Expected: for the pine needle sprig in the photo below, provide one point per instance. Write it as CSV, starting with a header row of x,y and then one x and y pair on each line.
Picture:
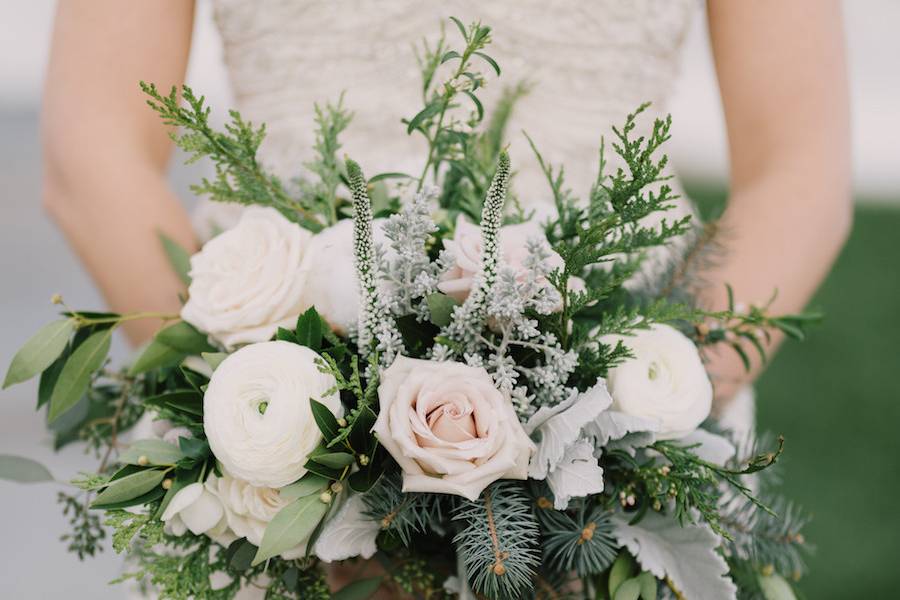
x,y
498,541
580,539
404,515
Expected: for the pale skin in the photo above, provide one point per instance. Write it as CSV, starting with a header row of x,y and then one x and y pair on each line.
x,y
782,80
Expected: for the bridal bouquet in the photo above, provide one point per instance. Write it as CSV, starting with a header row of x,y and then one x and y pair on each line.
x,y
421,372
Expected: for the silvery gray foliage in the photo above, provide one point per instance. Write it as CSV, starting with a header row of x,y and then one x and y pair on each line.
x,y
411,273
514,296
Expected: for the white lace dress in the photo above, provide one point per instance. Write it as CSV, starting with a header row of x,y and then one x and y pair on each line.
x,y
589,65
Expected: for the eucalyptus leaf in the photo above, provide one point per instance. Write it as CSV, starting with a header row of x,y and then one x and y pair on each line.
x,y
23,470
155,356
630,589
441,306
291,527
178,257
335,460
40,351
129,487
648,586
308,484
621,571
155,452
48,379
75,376
358,590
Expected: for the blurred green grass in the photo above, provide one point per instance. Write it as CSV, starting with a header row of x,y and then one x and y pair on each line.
x,y
835,399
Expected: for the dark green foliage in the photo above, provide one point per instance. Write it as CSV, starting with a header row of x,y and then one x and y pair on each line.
x,y
87,533
239,176
497,541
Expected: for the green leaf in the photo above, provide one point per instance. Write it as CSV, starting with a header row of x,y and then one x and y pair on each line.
x,y
391,175
156,452
23,470
188,401
308,484
75,376
325,419
129,487
185,338
335,460
620,571
290,527
461,27
358,590
364,479
478,105
322,471
441,308
214,359
156,355
648,586
489,60
450,56
239,554
309,329
775,587
629,589
193,447
48,379
178,257
427,112
40,351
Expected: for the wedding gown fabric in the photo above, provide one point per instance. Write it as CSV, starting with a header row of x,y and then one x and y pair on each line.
x,y
588,64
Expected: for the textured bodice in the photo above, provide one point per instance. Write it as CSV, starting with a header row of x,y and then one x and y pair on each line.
x,y
589,63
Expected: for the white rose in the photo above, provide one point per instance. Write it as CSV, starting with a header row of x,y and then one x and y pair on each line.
x,y
248,509
196,509
348,533
257,415
466,249
665,381
450,430
331,283
248,281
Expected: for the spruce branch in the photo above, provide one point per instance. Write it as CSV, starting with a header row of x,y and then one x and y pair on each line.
x,y
498,540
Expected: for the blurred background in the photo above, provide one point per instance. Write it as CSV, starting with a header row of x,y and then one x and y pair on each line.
x,y
833,397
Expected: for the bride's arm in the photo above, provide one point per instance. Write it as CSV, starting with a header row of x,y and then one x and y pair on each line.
x,y
105,151
783,82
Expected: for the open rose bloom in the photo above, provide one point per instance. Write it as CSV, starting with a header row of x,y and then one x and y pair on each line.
x,y
449,428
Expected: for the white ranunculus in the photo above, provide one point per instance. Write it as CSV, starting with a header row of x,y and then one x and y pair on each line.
x,y
466,249
449,428
349,533
249,280
257,415
196,509
248,509
665,381
331,283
